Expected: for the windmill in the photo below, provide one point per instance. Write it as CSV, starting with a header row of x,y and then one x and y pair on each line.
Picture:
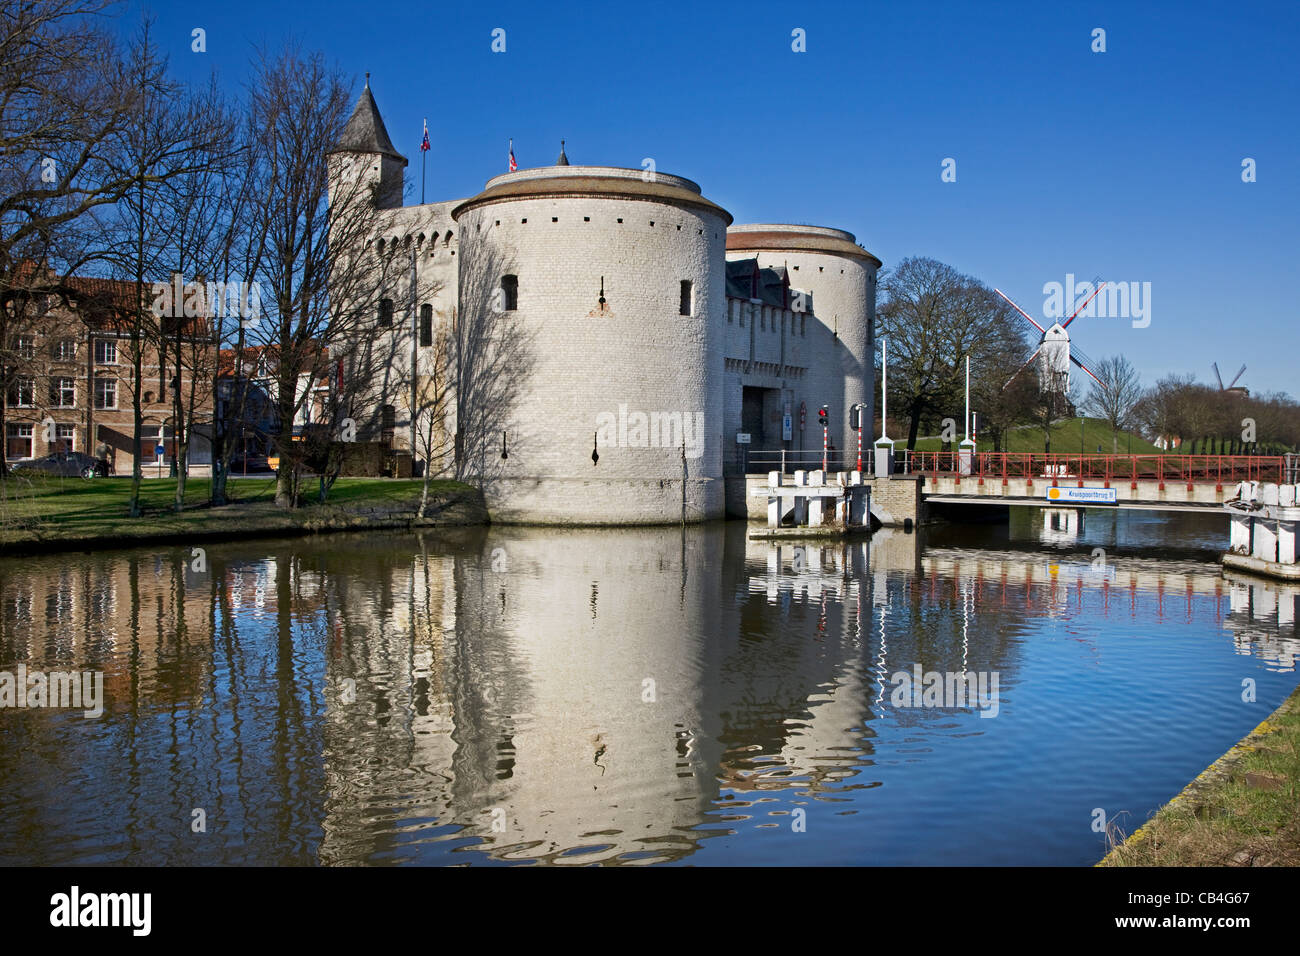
x,y
1054,352
1231,386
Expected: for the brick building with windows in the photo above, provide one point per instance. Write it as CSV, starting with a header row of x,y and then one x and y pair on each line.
x,y
69,378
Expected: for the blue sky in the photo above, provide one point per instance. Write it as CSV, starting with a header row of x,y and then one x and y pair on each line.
x,y
1124,164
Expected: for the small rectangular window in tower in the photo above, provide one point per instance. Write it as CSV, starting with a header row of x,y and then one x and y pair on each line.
x,y
387,422
510,292
685,307
385,313
426,325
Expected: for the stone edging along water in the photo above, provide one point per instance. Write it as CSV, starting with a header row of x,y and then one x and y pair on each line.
x,y
1202,789
264,520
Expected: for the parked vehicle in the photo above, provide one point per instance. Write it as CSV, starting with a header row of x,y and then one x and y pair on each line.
x,y
250,464
66,463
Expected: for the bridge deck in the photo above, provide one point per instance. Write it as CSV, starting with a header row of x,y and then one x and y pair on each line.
x,y
1212,469
1193,483
1042,502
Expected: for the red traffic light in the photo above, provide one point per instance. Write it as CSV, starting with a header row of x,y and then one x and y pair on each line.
x,y
822,415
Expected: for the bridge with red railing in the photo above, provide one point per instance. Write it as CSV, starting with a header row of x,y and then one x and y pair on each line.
x,y
1153,482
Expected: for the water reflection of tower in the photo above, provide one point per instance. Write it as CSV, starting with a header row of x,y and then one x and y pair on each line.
x,y
387,618
576,698
798,696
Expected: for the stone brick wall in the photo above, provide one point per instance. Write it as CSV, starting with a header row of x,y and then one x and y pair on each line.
x,y
596,369
835,355
592,367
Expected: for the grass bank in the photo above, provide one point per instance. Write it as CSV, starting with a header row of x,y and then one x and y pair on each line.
x,y
50,513
1244,810
1065,440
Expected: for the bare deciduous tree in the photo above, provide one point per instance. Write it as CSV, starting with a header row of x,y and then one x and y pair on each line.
x,y
1112,398
65,104
934,317
315,258
169,140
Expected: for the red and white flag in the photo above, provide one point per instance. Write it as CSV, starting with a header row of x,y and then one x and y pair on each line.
x,y
424,146
513,165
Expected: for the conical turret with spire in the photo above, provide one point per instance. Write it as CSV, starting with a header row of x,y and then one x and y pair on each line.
x,y
563,160
365,150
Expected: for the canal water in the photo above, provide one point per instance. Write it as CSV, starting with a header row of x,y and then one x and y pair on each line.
x,y
635,697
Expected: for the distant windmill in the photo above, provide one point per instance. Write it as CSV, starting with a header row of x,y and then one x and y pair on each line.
x,y
1054,350
1231,386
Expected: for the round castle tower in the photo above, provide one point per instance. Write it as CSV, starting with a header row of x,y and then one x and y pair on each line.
x,y
608,283
841,276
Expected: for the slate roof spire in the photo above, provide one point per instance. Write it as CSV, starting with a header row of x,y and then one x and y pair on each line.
x,y
365,131
563,160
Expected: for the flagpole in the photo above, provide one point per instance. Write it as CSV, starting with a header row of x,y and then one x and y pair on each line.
x,y
422,152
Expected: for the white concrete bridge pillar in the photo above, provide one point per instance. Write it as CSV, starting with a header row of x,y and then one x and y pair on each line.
x,y
1265,543
1286,542
817,505
1240,540
774,501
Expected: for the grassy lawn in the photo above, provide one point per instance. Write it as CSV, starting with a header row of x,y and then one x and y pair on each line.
x,y
1065,440
52,509
1242,811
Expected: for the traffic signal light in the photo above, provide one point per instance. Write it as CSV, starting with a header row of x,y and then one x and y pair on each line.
x,y
822,415
855,417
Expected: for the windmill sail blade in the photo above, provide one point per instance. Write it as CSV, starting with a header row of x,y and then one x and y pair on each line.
x,y
1239,374
1021,311
1215,366
1025,366
1066,323
1086,369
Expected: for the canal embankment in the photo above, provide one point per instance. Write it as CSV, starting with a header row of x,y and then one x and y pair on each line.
x,y
1242,810
68,514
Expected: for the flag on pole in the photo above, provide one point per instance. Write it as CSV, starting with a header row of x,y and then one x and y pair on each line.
x,y
424,146
513,165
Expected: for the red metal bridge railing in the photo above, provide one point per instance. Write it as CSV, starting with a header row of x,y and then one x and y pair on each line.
x,y
1219,469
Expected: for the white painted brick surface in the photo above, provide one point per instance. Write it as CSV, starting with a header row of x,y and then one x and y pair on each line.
x,y
643,355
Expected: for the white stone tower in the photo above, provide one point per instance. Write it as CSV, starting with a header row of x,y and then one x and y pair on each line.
x,y
365,154
841,275
618,280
